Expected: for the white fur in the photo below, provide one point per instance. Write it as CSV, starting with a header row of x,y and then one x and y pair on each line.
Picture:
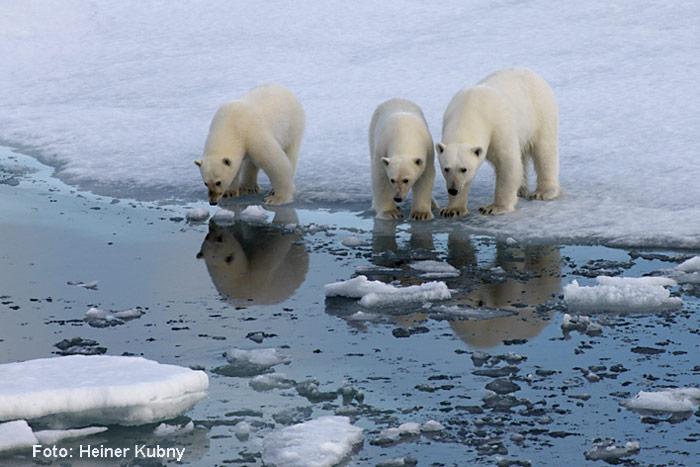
x,y
401,149
507,118
262,130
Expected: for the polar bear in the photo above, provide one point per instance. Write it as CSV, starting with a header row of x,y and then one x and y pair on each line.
x,y
402,158
508,118
262,130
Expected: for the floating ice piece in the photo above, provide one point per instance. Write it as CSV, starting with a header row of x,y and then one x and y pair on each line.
x,y
166,429
690,265
352,241
242,430
16,435
376,293
254,214
431,426
621,294
99,318
197,215
322,442
435,269
271,381
260,357
669,400
79,390
363,316
224,217
92,285
607,450
581,324
510,241
454,312
54,436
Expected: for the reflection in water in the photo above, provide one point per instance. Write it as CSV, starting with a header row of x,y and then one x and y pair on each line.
x,y
528,276
256,263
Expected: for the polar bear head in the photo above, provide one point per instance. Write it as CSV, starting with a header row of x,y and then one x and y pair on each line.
x,y
218,173
459,163
402,172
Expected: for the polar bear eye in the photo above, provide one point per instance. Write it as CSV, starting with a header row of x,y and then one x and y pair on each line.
x,y
392,180
463,170
447,169
405,180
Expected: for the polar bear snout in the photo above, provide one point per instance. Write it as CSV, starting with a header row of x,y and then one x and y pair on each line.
x,y
453,191
398,199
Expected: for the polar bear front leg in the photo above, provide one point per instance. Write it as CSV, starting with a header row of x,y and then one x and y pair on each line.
x,y
249,177
269,156
421,207
233,190
457,205
509,177
383,198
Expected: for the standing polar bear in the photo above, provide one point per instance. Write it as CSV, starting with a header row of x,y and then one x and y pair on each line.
x,y
401,150
262,130
507,118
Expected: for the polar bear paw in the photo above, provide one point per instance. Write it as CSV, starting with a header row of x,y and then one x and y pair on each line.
x,y
523,192
276,200
250,190
545,194
454,212
394,213
232,193
494,209
421,215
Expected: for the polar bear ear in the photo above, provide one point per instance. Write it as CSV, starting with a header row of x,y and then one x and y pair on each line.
x,y
440,147
198,163
477,151
227,161
386,160
419,162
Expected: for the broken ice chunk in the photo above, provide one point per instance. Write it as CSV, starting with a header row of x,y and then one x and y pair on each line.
x,y
622,294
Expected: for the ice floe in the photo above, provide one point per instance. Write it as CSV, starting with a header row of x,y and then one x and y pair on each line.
x,y
267,382
78,390
376,293
167,429
17,435
54,436
668,400
688,272
322,442
607,450
435,269
100,318
254,214
352,241
197,215
245,363
92,285
224,217
622,294
582,324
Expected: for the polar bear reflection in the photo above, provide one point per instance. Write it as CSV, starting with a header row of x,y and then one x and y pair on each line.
x,y
532,277
256,263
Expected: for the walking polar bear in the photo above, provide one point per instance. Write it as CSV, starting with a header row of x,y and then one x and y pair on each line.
x,y
262,130
508,118
402,154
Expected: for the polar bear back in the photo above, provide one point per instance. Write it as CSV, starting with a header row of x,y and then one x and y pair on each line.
x,y
508,100
269,109
401,122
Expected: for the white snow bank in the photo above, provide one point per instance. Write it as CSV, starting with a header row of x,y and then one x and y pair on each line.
x,y
16,435
54,436
669,400
254,214
377,293
322,442
81,389
267,358
617,294
431,268
197,214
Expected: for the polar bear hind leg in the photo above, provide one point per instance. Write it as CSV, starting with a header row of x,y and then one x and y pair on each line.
x,y
546,159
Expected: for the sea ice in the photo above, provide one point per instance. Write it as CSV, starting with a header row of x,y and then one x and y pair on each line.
x,y
352,241
622,294
322,442
16,435
167,429
668,400
223,217
54,436
688,272
376,293
78,390
259,357
271,381
197,215
99,318
690,265
92,285
607,450
435,269
254,214
431,426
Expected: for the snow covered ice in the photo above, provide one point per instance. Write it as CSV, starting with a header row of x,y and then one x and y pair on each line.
x,y
254,214
82,389
261,357
607,450
197,214
17,435
126,112
622,294
435,269
668,400
377,293
322,442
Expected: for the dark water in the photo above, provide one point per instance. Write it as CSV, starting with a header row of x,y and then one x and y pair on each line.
x,y
207,288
